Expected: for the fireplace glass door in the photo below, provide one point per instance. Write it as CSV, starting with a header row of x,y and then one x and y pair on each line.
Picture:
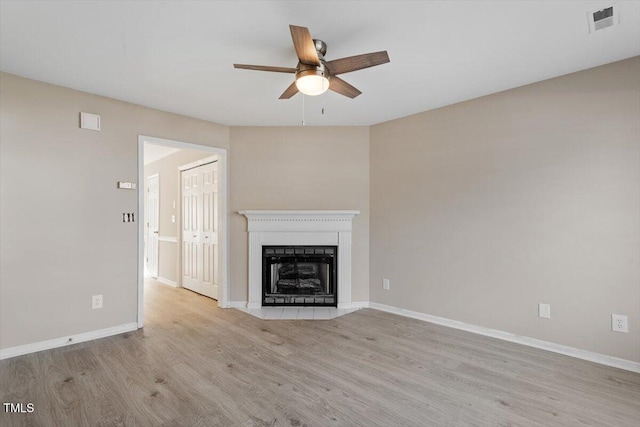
x,y
299,276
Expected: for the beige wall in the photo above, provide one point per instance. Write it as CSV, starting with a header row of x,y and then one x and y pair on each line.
x,y
483,209
478,211
169,194
299,168
63,239
62,235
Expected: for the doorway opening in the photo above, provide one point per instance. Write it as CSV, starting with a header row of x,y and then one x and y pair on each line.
x,y
182,235
152,225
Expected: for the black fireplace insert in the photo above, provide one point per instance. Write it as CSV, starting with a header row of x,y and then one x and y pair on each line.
x,y
299,276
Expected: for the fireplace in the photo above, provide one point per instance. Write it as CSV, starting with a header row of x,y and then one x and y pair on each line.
x,y
299,276
324,230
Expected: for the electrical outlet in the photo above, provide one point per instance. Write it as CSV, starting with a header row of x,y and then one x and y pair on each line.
x,y
96,301
619,323
385,284
544,310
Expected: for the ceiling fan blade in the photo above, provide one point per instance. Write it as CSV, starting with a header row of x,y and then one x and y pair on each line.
x,y
336,84
358,62
291,90
304,45
265,68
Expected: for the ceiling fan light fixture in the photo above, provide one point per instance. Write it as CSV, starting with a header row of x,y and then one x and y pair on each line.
x,y
314,75
312,82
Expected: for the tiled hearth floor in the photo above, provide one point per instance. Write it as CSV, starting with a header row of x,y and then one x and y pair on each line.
x,y
295,313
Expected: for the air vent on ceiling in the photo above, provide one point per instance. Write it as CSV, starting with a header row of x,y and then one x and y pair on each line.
x,y
603,18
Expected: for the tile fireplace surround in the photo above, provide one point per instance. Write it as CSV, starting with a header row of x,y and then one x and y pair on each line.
x,y
289,227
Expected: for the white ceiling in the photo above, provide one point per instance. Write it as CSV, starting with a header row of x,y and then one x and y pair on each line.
x,y
177,56
153,152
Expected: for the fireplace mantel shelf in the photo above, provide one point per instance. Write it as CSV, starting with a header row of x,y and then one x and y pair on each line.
x,y
300,216
299,221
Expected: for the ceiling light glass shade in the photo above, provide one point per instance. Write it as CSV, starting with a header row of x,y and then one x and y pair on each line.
x,y
312,84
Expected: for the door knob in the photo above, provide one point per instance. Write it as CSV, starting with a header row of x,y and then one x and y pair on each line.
x,y
155,232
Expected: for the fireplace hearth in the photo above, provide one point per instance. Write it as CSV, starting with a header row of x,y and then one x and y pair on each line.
x,y
299,276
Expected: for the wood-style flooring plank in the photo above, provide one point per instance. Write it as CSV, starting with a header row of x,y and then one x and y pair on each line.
x,y
196,365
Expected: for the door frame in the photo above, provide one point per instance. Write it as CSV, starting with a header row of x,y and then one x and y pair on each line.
x,y
223,191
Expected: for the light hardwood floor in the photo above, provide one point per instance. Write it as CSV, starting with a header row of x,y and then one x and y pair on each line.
x,y
197,365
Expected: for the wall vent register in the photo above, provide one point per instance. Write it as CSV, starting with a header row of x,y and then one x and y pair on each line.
x,y
602,18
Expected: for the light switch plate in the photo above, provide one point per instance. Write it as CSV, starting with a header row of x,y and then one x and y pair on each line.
x,y
125,185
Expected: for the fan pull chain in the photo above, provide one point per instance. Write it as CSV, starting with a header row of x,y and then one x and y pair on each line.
x,y
303,109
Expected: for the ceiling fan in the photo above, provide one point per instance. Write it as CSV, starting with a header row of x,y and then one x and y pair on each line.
x,y
314,75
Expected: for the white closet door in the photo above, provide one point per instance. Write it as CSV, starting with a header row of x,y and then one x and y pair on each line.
x,y
200,230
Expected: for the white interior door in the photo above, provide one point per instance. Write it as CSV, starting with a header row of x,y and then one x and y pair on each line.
x,y
153,217
200,271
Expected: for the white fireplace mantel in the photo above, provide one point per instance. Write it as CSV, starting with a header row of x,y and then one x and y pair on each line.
x,y
289,227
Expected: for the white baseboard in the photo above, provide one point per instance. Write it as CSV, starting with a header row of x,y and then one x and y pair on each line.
x,y
66,340
602,359
354,304
167,281
236,304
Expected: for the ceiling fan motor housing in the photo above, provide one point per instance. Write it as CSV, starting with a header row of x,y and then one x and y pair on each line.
x,y
313,70
321,48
